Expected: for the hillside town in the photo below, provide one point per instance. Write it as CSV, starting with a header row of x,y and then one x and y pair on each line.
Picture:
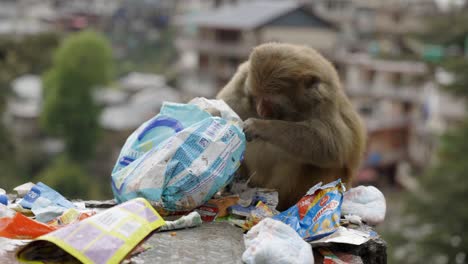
x,y
176,50
396,92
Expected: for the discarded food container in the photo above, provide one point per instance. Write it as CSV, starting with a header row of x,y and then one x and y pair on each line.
x,y
181,157
106,237
318,213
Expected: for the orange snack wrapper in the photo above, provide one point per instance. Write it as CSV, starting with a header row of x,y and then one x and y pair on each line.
x,y
22,227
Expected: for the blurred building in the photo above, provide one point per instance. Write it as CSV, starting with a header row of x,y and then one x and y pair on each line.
x,y
404,110
225,36
24,17
401,103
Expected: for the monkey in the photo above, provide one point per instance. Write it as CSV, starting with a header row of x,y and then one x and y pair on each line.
x,y
301,128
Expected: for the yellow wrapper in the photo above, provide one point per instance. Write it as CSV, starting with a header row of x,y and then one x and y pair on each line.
x,y
107,237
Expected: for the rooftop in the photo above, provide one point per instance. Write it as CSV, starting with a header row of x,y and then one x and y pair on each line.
x,y
245,15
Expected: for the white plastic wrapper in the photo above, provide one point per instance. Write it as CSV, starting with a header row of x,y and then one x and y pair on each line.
x,y
366,202
274,242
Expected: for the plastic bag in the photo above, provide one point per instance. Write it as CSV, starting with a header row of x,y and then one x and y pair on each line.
x,y
272,241
318,213
366,202
181,157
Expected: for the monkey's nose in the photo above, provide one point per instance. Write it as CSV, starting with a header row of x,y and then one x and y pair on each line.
x,y
264,108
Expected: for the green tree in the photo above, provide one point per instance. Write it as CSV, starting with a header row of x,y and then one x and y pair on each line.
x,y
435,230
70,179
28,54
82,63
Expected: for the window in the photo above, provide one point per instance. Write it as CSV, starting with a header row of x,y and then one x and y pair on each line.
x,y
228,36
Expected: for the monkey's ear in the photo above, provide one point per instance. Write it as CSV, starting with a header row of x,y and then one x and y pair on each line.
x,y
311,81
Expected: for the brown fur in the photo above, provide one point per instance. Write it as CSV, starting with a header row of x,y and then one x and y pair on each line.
x,y
301,126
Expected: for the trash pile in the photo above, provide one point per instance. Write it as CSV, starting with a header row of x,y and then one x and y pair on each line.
x,y
176,166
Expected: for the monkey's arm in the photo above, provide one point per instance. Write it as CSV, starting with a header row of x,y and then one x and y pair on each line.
x,y
314,142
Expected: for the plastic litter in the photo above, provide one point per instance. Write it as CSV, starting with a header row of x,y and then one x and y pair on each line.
x,y
3,197
191,220
23,189
224,203
44,191
318,213
260,212
330,257
17,226
45,210
208,212
345,236
106,237
71,216
272,241
366,202
5,211
181,157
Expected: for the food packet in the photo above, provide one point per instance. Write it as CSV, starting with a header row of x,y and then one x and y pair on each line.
x,y
224,203
318,213
17,226
260,212
107,237
40,190
70,216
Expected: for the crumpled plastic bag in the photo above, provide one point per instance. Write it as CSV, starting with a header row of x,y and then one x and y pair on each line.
x,y
366,202
181,157
274,242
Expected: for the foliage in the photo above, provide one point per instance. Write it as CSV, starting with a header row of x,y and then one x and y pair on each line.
x,y
438,212
70,179
82,63
440,216
458,67
448,29
150,55
19,55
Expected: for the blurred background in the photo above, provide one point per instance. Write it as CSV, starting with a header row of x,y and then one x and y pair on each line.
x,y
78,76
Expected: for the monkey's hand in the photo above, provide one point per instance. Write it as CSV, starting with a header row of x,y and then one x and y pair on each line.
x,y
252,129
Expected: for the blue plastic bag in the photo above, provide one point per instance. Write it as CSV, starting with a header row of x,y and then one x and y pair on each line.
x,y
181,157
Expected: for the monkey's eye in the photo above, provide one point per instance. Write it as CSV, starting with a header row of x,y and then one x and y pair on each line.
x,y
311,82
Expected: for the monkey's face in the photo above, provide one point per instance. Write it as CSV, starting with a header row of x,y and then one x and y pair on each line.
x,y
290,83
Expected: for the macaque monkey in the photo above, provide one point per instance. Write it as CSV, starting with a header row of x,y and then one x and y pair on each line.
x,y
300,126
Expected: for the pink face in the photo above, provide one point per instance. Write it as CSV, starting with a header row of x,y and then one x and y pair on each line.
x,y
279,99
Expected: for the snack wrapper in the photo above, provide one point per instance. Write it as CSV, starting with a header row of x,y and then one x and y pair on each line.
x,y
318,213
40,190
70,216
260,212
17,226
106,237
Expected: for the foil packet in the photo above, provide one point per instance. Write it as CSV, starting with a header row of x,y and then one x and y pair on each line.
x,y
318,213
